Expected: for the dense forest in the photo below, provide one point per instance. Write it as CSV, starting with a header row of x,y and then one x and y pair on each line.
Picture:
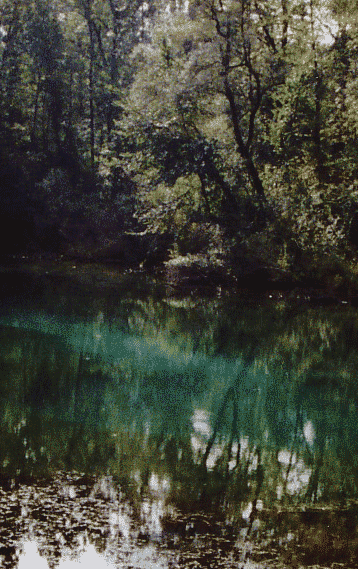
x,y
218,137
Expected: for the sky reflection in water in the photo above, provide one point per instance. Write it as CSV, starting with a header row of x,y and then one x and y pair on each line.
x,y
143,558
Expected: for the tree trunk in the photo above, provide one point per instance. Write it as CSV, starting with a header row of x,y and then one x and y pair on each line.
x,y
284,24
318,91
87,4
91,94
36,108
241,146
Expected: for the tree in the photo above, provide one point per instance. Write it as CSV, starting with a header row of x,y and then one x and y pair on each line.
x,y
208,73
44,44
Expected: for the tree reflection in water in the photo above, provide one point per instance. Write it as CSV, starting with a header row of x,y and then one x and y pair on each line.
x,y
183,433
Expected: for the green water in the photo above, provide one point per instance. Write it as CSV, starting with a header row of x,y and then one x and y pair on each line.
x,y
231,404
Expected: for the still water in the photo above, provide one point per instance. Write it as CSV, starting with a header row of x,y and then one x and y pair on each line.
x,y
141,429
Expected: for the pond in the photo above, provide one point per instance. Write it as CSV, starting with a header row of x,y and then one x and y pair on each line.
x,y
144,429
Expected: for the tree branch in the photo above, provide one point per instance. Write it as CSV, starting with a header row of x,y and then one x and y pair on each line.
x,y
218,26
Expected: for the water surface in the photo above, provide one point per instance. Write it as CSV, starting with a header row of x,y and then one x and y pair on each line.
x,y
133,422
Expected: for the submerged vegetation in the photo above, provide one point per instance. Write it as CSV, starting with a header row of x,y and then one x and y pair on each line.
x,y
216,137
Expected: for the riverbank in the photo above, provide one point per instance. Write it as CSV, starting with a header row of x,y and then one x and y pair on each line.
x,y
193,275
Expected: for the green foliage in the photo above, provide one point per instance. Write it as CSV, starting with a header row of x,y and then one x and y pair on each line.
x,y
240,116
173,207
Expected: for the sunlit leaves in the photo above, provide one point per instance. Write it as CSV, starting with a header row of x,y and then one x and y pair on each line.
x,y
172,207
